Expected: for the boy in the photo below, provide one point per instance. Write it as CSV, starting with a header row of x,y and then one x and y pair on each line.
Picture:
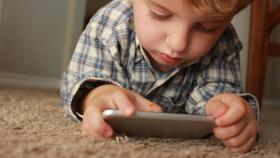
x,y
179,56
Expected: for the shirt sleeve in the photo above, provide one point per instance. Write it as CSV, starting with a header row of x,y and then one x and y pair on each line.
x,y
93,61
219,72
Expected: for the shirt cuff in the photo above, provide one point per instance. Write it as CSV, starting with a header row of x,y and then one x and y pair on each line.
x,y
79,92
82,92
253,102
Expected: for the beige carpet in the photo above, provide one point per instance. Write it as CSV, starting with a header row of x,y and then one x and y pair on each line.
x,y
34,125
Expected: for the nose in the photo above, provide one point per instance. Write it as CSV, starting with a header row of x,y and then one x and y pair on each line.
x,y
178,38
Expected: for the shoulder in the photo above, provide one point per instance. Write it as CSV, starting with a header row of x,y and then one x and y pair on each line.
x,y
227,48
115,12
228,43
111,30
229,40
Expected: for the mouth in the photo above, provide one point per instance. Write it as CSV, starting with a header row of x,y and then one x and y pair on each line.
x,y
169,59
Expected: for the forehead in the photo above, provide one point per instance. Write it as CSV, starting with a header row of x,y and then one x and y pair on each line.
x,y
171,3
182,7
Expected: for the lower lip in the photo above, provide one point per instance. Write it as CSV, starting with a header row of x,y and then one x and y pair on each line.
x,y
169,59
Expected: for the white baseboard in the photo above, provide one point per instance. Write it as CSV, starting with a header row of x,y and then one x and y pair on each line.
x,y
27,81
270,102
20,80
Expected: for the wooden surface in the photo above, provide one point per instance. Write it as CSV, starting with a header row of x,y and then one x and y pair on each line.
x,y
264,18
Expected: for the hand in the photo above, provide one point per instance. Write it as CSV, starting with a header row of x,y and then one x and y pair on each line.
x,y
110,97
236,124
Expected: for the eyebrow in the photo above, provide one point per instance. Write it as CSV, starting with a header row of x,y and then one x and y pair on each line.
x,y
160,6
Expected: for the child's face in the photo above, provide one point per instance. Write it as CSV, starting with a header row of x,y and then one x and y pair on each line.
x,y
174,32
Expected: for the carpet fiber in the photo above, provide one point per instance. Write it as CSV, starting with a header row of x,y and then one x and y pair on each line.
x,y
34,125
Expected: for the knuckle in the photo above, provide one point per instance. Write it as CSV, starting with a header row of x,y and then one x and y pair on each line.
x,y
252,130
234,130
254,126
218,134
118,94
241,107
234,142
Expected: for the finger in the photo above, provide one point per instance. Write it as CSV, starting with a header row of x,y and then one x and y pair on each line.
x,y
124,103
146,105
234,114
216,108
86,132
242,138
93,124
246,147
237,109
229,131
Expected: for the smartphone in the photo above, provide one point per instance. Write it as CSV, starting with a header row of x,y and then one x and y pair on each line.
x,y
162,125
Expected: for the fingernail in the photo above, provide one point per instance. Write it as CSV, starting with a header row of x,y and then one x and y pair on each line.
x,y
129,111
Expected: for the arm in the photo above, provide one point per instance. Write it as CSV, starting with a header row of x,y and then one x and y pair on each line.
x,y
110,97
236,124
96,61
236,113
219,84
95,80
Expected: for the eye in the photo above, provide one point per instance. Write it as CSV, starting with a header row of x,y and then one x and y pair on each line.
x,y
206,29
160,17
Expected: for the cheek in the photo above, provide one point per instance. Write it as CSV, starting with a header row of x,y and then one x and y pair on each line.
x,y
201,45
147,32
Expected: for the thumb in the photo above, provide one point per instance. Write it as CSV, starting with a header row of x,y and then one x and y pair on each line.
x,y
124,103
216,108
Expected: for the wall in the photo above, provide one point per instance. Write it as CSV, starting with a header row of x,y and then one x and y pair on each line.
x,y
1,12
93,6
36,40
272,78
241,23
33,41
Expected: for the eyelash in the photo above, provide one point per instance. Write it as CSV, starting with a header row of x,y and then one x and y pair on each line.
x,y
207,30
158,17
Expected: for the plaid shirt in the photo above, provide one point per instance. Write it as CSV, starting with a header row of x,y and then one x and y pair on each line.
x,y
108,51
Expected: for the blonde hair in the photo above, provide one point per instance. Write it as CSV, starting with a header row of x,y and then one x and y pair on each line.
x,y
220,7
